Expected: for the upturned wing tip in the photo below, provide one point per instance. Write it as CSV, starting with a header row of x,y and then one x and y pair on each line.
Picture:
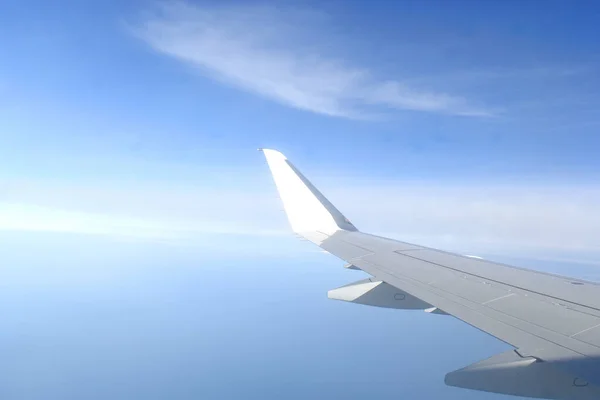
x,y
275,154
309,212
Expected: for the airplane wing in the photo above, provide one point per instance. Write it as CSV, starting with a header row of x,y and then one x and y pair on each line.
x,y
552,321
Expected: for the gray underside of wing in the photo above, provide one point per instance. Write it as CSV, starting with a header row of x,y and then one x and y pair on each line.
x,y
551,318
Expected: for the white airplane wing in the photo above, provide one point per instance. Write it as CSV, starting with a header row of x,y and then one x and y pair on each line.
x,y
553,322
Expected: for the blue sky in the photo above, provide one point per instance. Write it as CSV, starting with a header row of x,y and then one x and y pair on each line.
x,y
130,127
141,118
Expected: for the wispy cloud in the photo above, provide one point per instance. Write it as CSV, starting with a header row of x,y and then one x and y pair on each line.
x,y
276,53
516,75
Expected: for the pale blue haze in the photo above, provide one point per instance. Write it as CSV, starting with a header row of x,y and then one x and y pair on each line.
x,y
143,253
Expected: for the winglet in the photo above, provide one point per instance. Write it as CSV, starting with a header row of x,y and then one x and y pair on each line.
x,y
310,214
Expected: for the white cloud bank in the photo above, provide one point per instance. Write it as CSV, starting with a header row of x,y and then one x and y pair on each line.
x,y
481,218
279,55
486,219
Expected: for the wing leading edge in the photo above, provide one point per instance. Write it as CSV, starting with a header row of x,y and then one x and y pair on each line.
x,y
553,321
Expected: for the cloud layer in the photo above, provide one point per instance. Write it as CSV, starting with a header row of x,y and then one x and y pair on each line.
x,y
489,219
276,53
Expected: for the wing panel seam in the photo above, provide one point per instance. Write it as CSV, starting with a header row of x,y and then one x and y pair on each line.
x,y
505,284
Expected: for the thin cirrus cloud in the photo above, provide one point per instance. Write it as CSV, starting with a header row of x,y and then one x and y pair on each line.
x,y
244,47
